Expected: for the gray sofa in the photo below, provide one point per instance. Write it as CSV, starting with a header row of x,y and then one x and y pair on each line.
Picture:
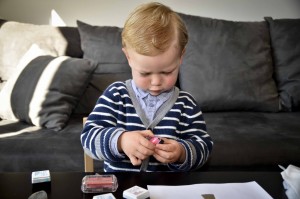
x,y
244,75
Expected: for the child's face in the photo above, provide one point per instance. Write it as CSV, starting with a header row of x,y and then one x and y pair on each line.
x,y
154,74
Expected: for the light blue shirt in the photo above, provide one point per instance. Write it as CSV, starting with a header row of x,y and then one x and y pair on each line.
x,y
149,103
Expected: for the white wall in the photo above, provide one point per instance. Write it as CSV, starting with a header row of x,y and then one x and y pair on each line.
x,y
114,12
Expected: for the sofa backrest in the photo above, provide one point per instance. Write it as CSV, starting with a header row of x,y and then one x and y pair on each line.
x,y
228,65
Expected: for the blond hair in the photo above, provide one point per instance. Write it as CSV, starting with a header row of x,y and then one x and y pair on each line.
x,y
151,28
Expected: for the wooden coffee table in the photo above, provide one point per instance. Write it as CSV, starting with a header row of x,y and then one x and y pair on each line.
x,y
67,184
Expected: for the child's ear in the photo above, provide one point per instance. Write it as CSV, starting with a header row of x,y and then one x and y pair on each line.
x,y
182,55
126,53
127,56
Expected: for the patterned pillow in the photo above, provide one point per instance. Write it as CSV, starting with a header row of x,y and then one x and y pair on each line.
x,y
16,38
45,89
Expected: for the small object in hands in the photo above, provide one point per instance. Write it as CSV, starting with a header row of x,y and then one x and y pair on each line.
x,y
104,196
155,139
99,183
38,195
136,192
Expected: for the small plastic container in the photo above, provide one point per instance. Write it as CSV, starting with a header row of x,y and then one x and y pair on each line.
x,y
99,183
136,192
40,176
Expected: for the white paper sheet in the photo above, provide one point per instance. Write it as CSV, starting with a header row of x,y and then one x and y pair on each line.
x,y
248,190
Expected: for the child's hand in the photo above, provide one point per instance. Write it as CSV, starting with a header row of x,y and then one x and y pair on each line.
x,y
169,152
135,145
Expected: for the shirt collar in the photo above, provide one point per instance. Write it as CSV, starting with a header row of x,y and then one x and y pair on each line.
x,y
142,94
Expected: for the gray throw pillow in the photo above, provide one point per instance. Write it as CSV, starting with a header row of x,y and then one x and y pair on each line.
x,y
101,78
103,46
228,65
45,90
285,39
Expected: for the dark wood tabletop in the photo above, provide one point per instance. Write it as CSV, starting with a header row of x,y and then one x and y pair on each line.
x,y
66,185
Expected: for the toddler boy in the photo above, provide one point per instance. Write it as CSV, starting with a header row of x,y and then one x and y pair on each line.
x,y
128,113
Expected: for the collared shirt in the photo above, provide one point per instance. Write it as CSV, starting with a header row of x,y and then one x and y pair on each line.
x,y
149,103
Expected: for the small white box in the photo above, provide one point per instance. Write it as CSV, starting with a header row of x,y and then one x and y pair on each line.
x,y
40,176
105,196
136,192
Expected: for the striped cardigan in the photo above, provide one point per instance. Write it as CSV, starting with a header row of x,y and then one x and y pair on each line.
x,y
179,118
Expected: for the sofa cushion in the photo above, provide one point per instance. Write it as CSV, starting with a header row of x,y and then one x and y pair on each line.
x,y
285,41
16,38
103,46
253,139
26,148
228,65
45,89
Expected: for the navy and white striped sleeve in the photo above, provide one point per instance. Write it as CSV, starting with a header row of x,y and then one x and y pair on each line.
x,y
101,124
192,134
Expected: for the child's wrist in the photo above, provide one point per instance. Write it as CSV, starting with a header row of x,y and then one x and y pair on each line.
x,y
119,144
182,156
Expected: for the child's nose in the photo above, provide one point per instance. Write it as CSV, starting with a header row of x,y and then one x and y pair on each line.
x,y
155,80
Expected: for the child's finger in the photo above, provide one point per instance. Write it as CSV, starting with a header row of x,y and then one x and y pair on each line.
x,y
146,133
135,161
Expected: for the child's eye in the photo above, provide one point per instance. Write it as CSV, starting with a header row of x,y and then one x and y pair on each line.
x,y
166,73
144,74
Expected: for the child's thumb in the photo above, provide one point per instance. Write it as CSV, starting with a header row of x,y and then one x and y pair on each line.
x,y
147,133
